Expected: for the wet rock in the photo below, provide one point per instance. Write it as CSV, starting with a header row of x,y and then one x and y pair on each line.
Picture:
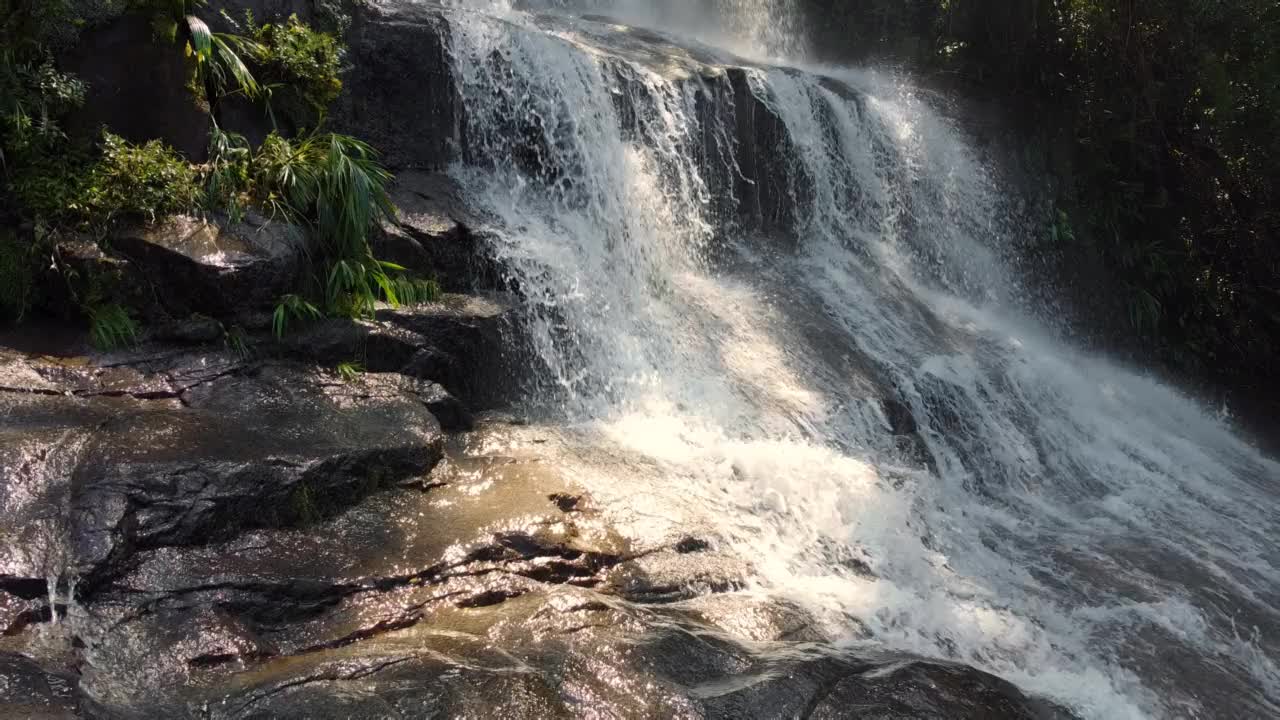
x,y
566,502
399,94
480,598
668,575
831,685
194,329
755,618
692,545
214,266
435,235
901,421
459,343
28,692
447,409
97,477
23,606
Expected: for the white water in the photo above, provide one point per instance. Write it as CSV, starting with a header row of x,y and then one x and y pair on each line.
x,y
1071,526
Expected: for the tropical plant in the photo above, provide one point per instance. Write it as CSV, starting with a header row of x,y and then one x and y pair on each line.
x,y
292,309
293,56
349,371
331,181
218,58
111,327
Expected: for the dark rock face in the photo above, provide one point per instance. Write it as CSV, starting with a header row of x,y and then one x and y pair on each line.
x,y
29,692
141,93
435,235
215,266
399,94
460,343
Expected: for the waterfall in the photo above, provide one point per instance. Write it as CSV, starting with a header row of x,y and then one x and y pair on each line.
x,y
782,295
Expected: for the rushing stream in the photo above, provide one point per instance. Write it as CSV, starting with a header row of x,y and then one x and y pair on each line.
x,y
815,351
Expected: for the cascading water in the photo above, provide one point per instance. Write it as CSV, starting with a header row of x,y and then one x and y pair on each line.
x,y
771,302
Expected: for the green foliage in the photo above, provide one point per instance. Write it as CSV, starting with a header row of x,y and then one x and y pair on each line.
x,y
217,59
349,371
332,182
228,174
299,62
35,96
146,181
111,327
90,189
49,189
328,182
292,309
303,505
415,291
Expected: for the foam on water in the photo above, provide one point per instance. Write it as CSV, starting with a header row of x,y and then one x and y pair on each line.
x,y
1071,526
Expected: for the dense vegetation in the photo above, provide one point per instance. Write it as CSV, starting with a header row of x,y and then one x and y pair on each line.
x,y
1159,119
55,182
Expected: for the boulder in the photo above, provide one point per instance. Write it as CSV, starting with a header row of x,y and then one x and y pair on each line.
x,y
436,235
215,266
462,343
399,95
97,464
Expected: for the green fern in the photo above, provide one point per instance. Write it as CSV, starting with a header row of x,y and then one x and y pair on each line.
x,y
111,327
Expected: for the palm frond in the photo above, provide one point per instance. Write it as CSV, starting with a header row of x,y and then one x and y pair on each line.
x,y
200,39
227,50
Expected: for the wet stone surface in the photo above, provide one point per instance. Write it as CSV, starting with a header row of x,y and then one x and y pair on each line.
x,y
487,584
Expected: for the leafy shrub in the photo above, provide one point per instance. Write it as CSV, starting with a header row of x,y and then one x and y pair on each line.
x,y
36,96
291,55
123,180
50,188
146,181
